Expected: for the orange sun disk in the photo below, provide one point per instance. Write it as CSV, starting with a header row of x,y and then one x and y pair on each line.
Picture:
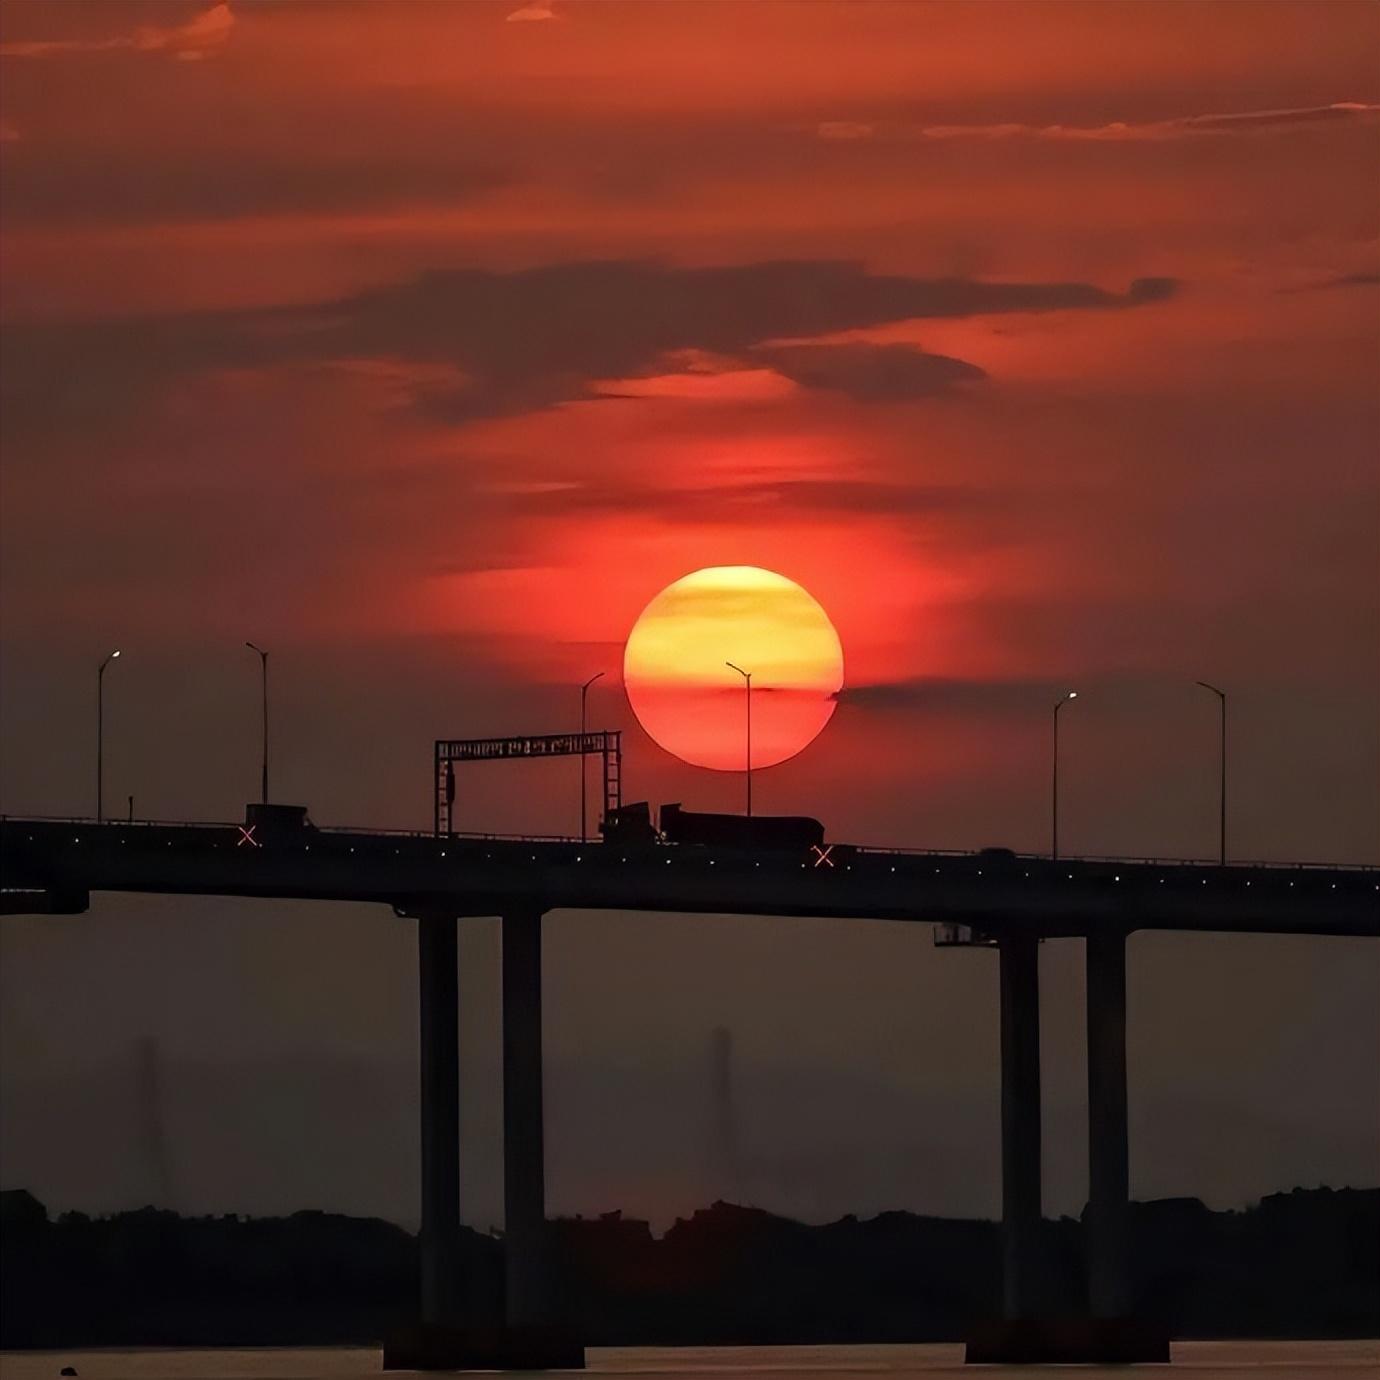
x,y
692,704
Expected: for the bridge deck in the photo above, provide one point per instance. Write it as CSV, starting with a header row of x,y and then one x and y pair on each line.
x,y
416,873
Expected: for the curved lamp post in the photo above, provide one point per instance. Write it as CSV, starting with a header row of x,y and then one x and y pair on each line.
x,y
1222,762
263,661
584,695
1054,798
747,681
100,734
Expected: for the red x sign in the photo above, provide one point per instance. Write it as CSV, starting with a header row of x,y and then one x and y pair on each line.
x,y
247,836
823,854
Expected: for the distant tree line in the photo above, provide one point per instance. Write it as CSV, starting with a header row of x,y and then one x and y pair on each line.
x,y
1305,1263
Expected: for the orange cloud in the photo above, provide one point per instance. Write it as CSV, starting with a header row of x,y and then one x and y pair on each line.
x,y
537,11
198,38
1182,127
844,129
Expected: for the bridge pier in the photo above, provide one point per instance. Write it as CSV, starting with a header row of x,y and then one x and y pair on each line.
x,y
439,1007
1107,1223
450,1335
524,1161
1109,1335
1020,1123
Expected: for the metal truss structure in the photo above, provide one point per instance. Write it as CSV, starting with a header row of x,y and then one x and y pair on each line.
x,y
449,751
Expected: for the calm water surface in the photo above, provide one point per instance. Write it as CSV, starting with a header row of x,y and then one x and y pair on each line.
x,y
1201,1360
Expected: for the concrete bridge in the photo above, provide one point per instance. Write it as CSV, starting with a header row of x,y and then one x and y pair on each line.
x,y
994,898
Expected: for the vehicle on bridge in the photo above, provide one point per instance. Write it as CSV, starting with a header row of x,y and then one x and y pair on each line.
x,y
632,824
264,822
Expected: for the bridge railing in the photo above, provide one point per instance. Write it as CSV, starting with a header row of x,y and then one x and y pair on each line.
x,y
86,821
454,834
1122,859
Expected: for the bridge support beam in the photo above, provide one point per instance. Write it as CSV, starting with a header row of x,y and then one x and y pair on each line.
x,y
524,1159
1107,1224
440,1065
1020,1122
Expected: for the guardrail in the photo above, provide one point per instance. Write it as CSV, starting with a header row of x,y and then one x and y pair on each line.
x,y
87,821
1120,858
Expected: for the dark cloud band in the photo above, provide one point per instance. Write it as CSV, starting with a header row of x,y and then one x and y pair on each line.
x,y
529,339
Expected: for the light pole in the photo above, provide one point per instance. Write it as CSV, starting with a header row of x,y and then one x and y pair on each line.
x,y
1222,790
747,681
100,735
584,762
1054,801
263,663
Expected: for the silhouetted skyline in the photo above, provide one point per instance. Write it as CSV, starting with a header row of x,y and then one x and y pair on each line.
x,y
1296,1264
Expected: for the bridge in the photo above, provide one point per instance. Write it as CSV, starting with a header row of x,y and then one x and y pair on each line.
x,y
991,898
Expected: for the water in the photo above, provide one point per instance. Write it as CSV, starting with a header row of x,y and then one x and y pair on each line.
x,y
1200,1360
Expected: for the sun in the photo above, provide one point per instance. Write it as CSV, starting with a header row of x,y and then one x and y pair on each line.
x,y
693,704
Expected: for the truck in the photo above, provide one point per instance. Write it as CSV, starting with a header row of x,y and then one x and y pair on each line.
x,y
632,824
277,822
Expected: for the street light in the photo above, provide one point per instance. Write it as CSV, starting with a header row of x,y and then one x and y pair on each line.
x,y
100,734
584,761
1054,802
1222,790
263,662
747,681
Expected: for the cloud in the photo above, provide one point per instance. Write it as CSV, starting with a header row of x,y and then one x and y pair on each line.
x,y
535,12
1341,280
872,373
198,38
860,370
546,335
937,694
844,130
1272,119
1187,126
1019,696
536,337
750,503
62,183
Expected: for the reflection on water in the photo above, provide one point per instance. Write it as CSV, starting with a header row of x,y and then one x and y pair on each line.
x,y
1202,1360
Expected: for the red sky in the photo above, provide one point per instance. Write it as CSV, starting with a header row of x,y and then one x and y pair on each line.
x,y
1038,343
424,343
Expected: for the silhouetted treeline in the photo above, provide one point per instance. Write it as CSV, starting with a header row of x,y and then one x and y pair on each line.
x,y
1305,1263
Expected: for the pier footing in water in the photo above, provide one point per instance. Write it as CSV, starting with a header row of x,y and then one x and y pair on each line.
x,y
434,1346
1068,1341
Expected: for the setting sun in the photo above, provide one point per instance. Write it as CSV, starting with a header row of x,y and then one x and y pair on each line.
x,y
689,699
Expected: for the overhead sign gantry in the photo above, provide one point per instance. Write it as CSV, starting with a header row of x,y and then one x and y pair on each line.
x,y
449,751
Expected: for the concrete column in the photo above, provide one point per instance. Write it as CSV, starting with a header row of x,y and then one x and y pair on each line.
x,y
440,1061
1020,1122
524,1160
1107,1224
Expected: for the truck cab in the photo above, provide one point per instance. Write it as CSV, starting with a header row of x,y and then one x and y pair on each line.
x,y
277,821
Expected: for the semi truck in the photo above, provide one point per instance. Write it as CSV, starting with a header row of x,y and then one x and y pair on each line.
x,y
633,824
